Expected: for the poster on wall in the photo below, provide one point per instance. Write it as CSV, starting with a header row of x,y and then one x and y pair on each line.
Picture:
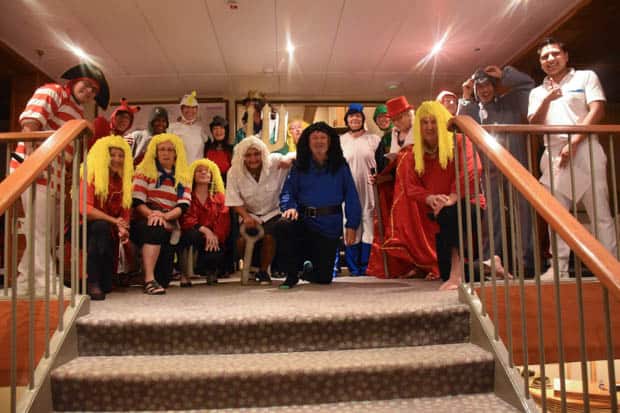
x,y
208,108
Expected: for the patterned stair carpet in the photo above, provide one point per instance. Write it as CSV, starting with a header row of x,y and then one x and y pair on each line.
x,y
360,344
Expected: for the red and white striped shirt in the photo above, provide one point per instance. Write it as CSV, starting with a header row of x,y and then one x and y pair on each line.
x,y
51,106
163,198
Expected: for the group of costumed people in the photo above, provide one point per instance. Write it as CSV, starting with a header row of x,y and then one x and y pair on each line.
x,y
187,181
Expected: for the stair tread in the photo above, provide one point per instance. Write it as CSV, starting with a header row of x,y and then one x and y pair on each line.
x,y
471,403
187,366
173,317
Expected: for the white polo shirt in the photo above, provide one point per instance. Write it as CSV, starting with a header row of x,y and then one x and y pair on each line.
x,y
579,89
262,198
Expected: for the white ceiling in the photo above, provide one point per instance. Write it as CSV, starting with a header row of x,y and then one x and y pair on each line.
x,y
345,49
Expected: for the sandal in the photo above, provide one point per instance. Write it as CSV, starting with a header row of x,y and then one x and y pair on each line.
x,y
153,288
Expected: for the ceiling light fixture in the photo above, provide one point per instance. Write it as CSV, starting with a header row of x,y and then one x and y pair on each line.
x,y
290,47
78,52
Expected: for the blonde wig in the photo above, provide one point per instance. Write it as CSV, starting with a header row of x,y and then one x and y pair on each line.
x,y
148,167
217,184
242,147
98,166
445,137
292,146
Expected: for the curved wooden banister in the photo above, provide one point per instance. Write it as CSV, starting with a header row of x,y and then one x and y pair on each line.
x,y
552,129
600,261
9,137
15,184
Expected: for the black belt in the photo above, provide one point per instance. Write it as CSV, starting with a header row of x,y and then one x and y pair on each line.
x,y
313,212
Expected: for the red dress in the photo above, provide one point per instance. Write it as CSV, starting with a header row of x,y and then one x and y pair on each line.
x,y
409,232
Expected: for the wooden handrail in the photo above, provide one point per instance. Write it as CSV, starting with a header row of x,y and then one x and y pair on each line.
x,y
15,184
552,129
600,261
8,137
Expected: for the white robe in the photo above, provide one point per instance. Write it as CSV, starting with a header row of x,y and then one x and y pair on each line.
x,y
360,155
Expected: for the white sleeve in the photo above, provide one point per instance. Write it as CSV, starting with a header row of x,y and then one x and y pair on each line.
x,y
534,102
593,89
233,196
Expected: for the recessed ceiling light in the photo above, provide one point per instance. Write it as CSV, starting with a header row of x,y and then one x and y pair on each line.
x,y
290,47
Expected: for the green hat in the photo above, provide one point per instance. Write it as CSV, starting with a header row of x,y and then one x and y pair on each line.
x,y
379,110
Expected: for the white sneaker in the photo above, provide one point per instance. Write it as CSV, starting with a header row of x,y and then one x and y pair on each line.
x,y
548,275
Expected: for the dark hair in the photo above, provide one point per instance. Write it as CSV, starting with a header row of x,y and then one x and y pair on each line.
x,y
548,41
335,158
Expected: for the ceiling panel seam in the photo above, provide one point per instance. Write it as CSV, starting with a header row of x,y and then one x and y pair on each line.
x,y
331,53
159,43
219,49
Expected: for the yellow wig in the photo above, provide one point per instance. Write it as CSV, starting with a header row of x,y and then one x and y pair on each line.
x,y
181,171
98,164
292,147
445,137
217,184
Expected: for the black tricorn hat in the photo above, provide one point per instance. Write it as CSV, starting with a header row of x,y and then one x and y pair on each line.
x,y
92,72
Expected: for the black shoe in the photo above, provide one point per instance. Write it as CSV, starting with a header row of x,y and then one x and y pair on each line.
x,y
263,278
290,282
95,292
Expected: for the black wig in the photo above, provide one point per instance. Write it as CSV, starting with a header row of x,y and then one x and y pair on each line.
x,y
335,158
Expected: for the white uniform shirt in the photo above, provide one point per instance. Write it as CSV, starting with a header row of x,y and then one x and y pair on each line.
x,y
193,136
579,88
262,198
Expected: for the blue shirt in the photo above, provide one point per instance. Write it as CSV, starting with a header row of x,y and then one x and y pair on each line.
x,y
320,188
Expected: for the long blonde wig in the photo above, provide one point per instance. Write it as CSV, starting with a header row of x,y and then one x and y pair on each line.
x,y
98,166
445,137
217,184
148,167
242,147
292,146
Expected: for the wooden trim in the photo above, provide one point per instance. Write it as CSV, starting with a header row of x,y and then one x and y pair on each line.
x,y
12,137
591,252
594,321
555,26
15,184
552,129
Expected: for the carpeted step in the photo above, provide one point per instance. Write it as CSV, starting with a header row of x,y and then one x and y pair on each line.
x,y
270,379
197,333
469,403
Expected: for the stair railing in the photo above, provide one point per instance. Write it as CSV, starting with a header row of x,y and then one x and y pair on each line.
x,y
42,300
516,188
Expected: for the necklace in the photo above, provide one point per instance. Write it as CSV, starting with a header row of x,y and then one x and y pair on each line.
x,y
432,151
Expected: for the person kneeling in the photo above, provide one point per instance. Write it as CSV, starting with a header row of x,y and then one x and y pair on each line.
x,y
319,182
206,223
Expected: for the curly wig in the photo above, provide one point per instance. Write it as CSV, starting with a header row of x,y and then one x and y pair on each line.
x,y
217,184
98,165
242,147
335,158
148,166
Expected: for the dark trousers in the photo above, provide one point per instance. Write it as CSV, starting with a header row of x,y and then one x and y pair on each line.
x,y
141,234
207,261
448,236
102,251
298,243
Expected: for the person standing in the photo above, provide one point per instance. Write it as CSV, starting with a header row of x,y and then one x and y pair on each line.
x,y
50,107
359,147
139,140
190,128
572,97
484,103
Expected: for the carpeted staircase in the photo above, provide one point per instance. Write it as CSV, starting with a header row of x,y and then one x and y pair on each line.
x,y
387,360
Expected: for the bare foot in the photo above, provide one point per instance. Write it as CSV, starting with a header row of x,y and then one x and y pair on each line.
x,y
412,273
449,285
500,271
431,277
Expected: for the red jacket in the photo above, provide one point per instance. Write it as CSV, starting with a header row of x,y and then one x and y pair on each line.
x,y
213,214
